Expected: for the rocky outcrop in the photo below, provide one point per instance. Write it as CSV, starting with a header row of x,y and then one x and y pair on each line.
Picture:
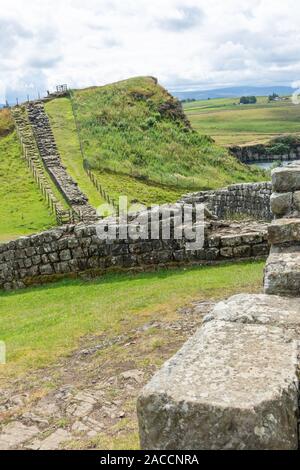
x,y
280,149
235,384
52,161
250,199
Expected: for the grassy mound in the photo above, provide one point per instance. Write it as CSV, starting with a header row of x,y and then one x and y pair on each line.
x,y
136,127
22,208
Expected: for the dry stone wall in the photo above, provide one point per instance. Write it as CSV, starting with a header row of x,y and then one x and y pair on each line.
x,y
73,249
32,157
251,199
52,161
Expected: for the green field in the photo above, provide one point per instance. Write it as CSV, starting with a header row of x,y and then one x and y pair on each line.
x,y
22,209
136,128
43,323
230,123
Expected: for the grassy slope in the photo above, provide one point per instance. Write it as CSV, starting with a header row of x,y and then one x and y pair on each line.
x,y
41,324
123,130
64,129
22,208
135,189
230,124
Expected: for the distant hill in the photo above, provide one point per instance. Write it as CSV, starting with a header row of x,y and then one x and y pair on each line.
x,y
233,92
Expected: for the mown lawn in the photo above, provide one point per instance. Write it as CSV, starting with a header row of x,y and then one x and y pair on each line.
x,y
232,124
135,127
22,208
41,324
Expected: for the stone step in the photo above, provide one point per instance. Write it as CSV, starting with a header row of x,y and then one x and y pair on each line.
x,y
233,385
283,231
286,179
282,273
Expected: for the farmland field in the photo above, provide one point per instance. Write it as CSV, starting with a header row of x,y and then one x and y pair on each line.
x,y
230,123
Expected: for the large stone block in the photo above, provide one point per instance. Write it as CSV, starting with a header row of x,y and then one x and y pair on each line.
x,y
282,274
283,231
286,179
281,203
231,386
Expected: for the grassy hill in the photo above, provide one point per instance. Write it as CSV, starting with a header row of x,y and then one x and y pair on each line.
x,y
136,128
22,208
229,123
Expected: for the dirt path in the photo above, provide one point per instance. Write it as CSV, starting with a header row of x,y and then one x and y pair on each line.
x,y
87,400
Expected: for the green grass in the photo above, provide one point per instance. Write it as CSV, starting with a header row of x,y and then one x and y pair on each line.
x,y
136,190
135,127
41,324
232,124
22,209
64,129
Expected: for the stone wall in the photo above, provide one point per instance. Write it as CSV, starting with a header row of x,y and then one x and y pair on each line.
x,y
251,199
235,383
282,273
52,161
261,153
73,249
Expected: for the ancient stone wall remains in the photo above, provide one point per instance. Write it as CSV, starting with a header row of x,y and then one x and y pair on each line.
x,y
235,383
52,161
32,157
282,273
252,199
74,249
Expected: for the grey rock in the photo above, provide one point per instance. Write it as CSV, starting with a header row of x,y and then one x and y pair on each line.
x,y
231,386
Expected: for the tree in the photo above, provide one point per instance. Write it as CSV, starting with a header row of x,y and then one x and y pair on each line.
x,y
248,100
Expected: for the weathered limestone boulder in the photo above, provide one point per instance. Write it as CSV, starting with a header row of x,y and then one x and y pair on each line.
x,y
281,203
233,385
286,179
284,230
282,274
259,309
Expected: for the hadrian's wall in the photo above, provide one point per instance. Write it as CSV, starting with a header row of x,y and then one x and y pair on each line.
x,y
252,199
73,249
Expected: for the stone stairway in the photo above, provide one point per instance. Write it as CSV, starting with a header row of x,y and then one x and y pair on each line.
x,y
52,161
235,383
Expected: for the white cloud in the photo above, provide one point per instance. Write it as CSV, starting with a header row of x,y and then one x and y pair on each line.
x,y
185,43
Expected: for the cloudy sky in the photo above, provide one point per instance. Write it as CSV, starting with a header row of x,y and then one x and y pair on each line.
x,y
186,44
